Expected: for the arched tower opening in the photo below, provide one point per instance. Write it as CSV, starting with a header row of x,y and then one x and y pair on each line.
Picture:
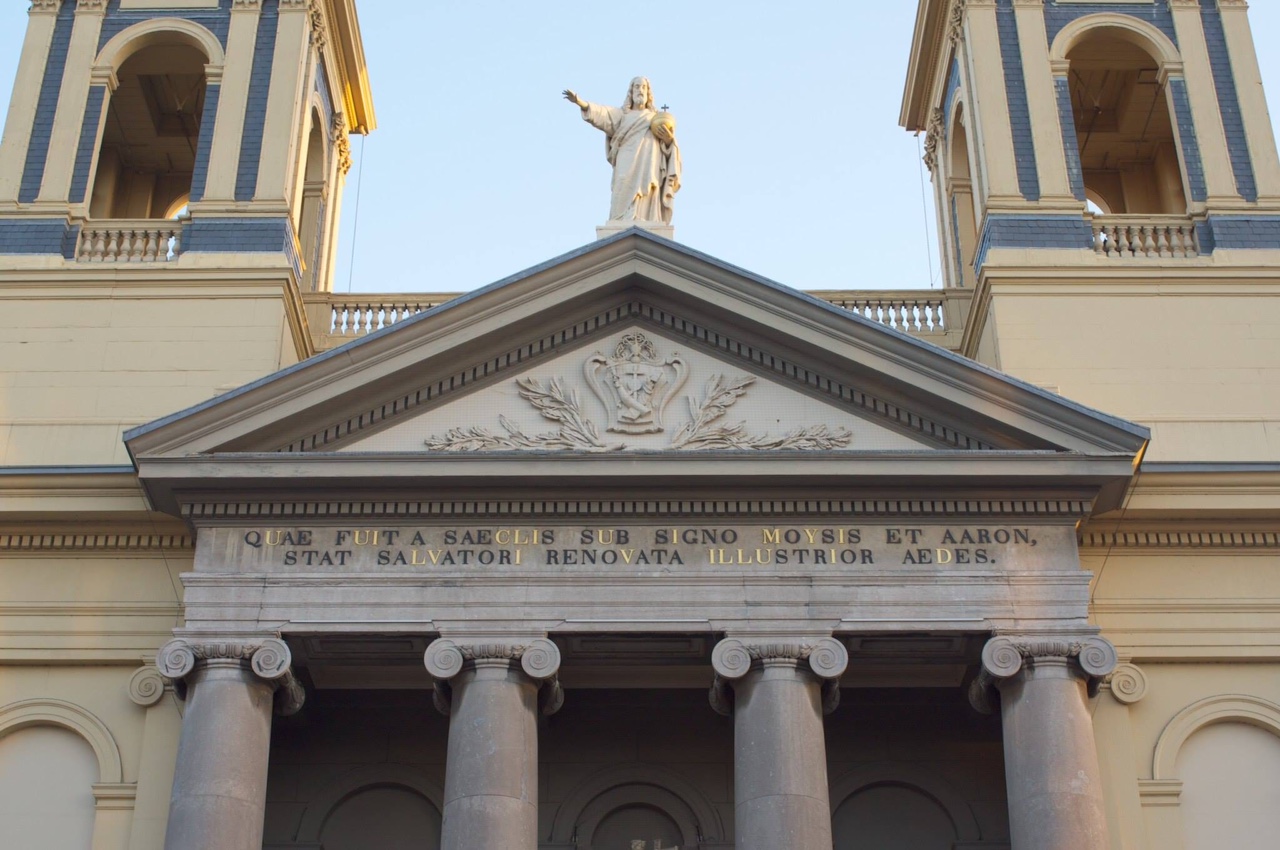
x,y
1124,129
147,156
964,225
309,203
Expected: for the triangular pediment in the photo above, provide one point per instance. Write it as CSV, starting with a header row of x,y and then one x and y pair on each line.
x,y
632,347
637,389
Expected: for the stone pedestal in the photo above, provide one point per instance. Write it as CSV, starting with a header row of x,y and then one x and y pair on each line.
x,y
490,690
220,782
609,228
1051,760
777,692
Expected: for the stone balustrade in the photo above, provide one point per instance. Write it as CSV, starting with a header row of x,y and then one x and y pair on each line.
x,y
336,318
118,241
935,315
1124,237
910,311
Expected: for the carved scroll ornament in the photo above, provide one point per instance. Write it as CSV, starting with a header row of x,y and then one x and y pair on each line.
x,y
269,659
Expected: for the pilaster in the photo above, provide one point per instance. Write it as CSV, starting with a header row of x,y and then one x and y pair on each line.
x,y
989,104
158,758
1117,757
777,690
1253,102
26,96
492,689
1051,758
233,101
281,137
220,782
1206,112
1046,129
73,97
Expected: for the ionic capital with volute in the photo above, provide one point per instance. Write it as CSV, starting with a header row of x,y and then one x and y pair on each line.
x,y
733,658
538,658
1005,657
268,658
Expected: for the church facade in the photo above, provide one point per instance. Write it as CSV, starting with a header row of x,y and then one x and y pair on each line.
x,y
636,549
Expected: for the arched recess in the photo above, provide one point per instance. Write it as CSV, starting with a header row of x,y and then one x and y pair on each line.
x,y
926,782
363,779
1117,69
311,197
962,209
621,786
43,712
1228,708
152,87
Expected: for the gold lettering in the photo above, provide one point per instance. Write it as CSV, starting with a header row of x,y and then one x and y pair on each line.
x,y
812,534
945,556
414,555
502,537
773,535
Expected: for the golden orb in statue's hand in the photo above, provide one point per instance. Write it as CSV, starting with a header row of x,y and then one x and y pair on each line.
x,y
663,125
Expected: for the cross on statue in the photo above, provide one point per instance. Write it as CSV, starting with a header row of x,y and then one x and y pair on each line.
x,y
665,107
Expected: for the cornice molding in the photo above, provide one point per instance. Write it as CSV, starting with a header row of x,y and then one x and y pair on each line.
x,y
1183,539
508,509
68,541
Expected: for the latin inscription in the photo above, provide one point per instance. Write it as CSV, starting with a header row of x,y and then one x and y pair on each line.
x,y
494,548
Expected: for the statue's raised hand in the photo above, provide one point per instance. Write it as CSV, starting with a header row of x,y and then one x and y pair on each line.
x,y
573,98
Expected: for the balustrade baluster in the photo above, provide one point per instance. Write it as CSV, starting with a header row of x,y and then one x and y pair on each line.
x,y
1148,241
1099,240
1122,241
134,254
1162,241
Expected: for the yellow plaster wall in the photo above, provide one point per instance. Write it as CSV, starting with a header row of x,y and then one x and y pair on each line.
x,y
78,368
1202,370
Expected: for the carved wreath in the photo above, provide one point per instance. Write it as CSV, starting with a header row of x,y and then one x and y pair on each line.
x,y
575,432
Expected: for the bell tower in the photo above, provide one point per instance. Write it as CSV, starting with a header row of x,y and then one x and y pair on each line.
x,y
171,173
1108,189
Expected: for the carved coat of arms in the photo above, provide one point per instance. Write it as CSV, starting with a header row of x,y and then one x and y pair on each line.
x,y
635,385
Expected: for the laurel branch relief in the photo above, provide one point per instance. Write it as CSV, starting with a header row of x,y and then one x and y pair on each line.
x,y
635,386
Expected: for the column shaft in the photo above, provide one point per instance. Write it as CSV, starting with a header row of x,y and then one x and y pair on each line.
x,y
1050,757
491,779
1051,762
220,785
780,760
491,783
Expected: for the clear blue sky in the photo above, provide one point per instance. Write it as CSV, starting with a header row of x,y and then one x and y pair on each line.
x,y
794,166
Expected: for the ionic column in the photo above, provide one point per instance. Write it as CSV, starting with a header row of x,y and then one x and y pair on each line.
x,y
220,784
777,692
1051,760
491,690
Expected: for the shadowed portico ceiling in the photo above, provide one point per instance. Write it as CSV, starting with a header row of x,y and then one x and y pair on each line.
x,y
824,397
